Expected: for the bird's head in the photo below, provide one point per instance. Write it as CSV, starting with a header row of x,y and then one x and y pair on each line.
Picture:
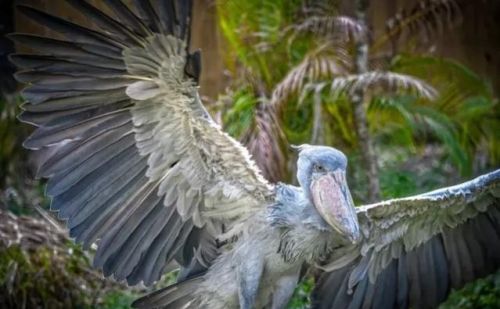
x,y
321,172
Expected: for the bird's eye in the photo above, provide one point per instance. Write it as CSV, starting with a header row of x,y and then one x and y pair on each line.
x,y
319,168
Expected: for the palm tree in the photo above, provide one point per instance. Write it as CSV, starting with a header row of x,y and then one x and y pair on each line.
x,y
338,80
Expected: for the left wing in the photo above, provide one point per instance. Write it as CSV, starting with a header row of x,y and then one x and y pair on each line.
x,y
135,163
415,249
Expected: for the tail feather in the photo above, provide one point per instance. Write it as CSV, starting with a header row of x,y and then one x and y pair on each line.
x,y
175,296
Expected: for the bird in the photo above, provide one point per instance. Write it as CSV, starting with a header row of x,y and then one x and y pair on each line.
x,y
140,171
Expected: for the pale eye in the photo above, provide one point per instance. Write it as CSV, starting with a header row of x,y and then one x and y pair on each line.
x,y
319,168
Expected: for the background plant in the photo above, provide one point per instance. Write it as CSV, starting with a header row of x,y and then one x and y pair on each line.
x,y
429,121
411,101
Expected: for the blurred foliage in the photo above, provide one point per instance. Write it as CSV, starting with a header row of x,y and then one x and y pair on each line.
x,y
118,300
238,119
464,117
253,30
308,46
18,191
42,278
484,294
302,295
41,268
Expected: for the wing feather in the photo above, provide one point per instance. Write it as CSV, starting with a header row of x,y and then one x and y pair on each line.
x,y
420,247
134,161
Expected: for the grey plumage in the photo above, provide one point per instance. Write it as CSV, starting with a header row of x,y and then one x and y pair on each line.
x,y
137,166
448,240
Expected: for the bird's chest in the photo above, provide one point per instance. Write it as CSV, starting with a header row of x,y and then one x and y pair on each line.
x,y
299,245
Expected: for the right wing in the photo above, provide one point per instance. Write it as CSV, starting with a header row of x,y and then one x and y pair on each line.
x,y
135,163
416,249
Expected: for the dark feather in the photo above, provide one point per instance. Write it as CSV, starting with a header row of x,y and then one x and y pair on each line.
x,y
91,228
167,15
368,297
126,220
386,287
106,197
92,184
402,298
78,100
107,23
59,82
489,241
146,269
148,15
474,249
358,295
453,254
427,274
167,296
126,16
330,287
37,94
169,245
184,233
139,241
70,30
70,51
464,256
441,269
62,181
183,9
79,131
134,214
57,67
87,199
72,156
48,119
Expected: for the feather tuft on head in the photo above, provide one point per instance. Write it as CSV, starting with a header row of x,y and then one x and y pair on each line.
x,y
299,148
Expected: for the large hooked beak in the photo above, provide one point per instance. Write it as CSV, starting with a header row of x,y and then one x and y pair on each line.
x,y
332,199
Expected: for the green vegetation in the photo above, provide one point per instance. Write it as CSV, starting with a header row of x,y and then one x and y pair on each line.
x,y
484,293
312,57
51,278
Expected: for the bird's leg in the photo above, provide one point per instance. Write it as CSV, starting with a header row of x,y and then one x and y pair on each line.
x,y
249,275
283,290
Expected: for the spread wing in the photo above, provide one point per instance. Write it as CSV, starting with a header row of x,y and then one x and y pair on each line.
x,y
134,162
415,249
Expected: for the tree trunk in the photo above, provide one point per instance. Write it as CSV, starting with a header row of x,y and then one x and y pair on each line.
x,y
361,123
317,133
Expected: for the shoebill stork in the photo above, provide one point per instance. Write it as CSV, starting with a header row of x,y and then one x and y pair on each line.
x,y
136,166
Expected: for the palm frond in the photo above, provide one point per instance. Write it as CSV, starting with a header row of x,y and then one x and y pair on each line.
x,y
455,81
266,143
314,67
464,95
330,27
379,82
320,7
426,19
424,122
253,32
